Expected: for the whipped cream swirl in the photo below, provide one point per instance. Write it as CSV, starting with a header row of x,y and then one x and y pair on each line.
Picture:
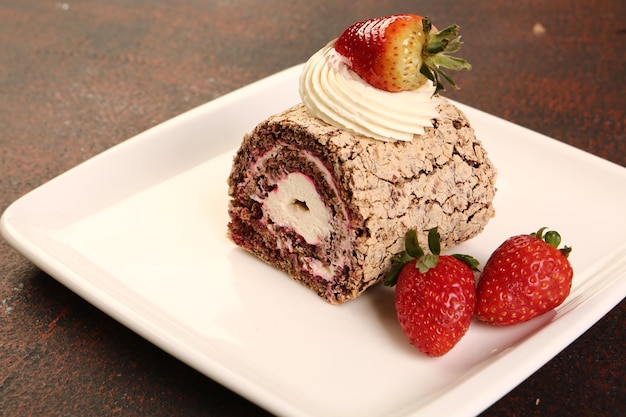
x,y
334,93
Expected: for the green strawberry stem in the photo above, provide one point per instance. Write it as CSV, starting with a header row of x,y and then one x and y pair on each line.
x,y
552,238
435,54
423,261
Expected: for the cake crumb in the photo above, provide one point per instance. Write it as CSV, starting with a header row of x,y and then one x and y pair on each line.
x,y
539,29
537,401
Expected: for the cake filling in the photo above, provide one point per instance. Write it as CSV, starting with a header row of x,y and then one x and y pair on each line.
x,y
295,203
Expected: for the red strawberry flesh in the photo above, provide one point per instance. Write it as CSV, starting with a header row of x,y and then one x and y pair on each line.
x,y
524,278
435,308
401,52
386,52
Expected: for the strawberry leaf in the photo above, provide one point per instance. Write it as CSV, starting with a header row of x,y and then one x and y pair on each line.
x,y
412,245
454,45
552,238
447,34
435,54
566,250
468,260
427,72
399,261
427,26
451,62
433,241
392,276
439,73
423,261
539,233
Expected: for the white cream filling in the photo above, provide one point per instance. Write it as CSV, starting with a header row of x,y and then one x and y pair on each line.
x,y
295,203
334,93
317,268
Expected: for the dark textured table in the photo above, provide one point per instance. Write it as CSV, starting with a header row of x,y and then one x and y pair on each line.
x,y
79,77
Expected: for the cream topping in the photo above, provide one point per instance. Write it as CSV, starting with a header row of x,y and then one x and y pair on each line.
x,y
337,95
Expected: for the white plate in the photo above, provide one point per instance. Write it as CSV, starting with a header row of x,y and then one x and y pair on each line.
x,y
139,231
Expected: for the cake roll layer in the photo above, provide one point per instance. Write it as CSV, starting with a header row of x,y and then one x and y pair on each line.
x,y
331,208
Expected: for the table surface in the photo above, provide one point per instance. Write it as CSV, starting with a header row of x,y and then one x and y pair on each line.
x,y
79,77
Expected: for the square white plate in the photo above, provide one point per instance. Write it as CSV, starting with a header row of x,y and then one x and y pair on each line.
x,y
139,231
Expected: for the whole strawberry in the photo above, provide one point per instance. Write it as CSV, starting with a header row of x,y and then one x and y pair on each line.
x,y
401,52
435,294
525,277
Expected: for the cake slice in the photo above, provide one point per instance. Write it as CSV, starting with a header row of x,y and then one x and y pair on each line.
x,y
327,190
331,208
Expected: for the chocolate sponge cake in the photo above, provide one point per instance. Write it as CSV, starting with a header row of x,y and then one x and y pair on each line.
x,y
331,208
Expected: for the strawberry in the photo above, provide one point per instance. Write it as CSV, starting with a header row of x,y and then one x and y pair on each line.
x,y
435,294
525,277
401,52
